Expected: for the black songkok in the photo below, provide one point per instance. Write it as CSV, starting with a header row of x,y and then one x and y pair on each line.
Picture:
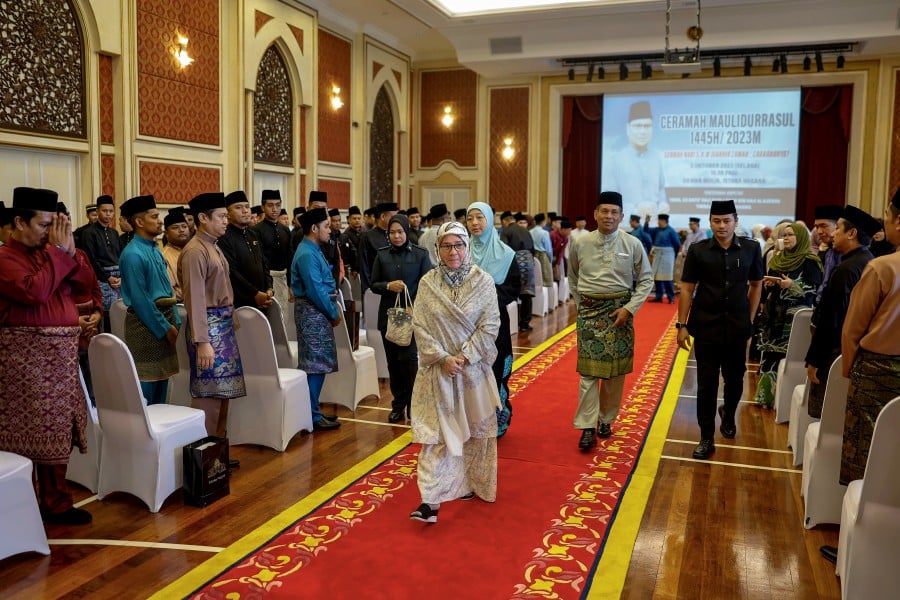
x,y
896,199
207,201
283,212
299,210
235,197
862,220
639,110
565,223
256,210
313,217
105,199
383,208
722,207
829,212
354,210
334,212
694,220
175,215
270,195
459,212
90,208
35,199
438,210
317,196
614,198
137,205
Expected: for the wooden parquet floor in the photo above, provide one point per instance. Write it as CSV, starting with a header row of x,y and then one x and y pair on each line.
x,y
713,531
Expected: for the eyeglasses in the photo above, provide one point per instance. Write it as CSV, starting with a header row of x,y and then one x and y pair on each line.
x,y
458,247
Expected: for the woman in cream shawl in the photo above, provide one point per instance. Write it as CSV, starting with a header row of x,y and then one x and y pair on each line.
x,y
456,320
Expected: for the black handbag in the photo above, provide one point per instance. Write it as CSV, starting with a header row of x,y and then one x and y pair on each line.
x,y
205,471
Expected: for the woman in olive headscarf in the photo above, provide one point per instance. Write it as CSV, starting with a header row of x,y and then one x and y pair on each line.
x,y
497,259
794,276
455,398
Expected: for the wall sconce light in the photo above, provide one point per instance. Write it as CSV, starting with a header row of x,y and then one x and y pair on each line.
x,y
448,118
508,151
181,53
336,102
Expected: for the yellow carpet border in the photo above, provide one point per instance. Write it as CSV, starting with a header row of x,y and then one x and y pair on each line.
x,y
609,576
199,575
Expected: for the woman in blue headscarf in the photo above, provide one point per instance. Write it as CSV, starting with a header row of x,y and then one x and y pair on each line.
x,y
497,259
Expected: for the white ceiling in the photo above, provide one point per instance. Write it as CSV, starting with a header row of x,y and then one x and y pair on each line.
x,y
609,27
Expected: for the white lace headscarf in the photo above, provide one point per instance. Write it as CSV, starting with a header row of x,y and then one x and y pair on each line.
x,y
454,277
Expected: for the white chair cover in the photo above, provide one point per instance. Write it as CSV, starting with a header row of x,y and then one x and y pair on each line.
x,y
117,313
799,422
357,374
820,486
277,403
21,529
180,383
285,349
868,548
373,336
539,304
553,297
792,368
142,445
84,469
512,310
564,289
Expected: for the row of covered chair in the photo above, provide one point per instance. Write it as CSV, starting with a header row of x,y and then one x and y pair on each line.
x,y
867,510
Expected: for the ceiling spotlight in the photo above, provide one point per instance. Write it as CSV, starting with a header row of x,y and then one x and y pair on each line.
x,y
646,70
776,65
784,64
747,65
840,61
601,72
590,76
717,67
819,66
623,71
807,63
571,74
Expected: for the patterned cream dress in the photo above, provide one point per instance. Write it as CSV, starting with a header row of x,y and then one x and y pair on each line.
x,y
454,418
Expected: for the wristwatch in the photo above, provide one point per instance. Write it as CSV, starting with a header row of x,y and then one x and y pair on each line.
x,y
680,325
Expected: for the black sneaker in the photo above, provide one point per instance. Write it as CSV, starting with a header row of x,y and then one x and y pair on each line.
x,y
73,516
829,553
424,513
604,430
727,428
396,416
324,424
704,449
468,496
588,439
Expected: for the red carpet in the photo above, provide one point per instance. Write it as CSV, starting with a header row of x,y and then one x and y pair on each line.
x,y
542,537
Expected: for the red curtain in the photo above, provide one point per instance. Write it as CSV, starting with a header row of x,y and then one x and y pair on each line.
x,y
824,148
582,119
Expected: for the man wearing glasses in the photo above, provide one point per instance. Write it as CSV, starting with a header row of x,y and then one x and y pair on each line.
x,y
636,171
